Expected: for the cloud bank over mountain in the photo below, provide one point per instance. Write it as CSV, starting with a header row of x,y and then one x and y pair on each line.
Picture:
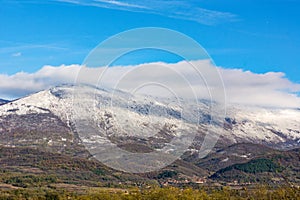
x,y
242,87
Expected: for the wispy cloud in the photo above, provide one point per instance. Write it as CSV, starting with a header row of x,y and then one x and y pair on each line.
x,y
179,9
18,54
187,10
242,87
122,4
17,47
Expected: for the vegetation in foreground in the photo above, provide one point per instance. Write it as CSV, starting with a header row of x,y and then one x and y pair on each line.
x,y
156,193
27,173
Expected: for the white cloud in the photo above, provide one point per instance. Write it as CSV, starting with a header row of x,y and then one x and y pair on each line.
x,y
16,54
21,84
119,3
243,87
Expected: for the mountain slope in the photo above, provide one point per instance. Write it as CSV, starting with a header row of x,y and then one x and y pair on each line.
x,y
274,127
44,122
272,168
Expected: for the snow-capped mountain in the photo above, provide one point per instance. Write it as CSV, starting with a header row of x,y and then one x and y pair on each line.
x,y
48,119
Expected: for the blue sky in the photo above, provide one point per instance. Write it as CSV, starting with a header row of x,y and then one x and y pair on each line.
x,y
257,35
254,35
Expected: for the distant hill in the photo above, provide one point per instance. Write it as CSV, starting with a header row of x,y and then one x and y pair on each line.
x,y
272,167
2,101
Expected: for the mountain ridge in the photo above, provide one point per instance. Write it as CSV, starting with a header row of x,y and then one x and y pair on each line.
x,y
43,122
278,128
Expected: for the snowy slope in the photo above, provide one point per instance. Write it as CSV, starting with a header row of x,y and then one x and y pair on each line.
x,y
119,115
